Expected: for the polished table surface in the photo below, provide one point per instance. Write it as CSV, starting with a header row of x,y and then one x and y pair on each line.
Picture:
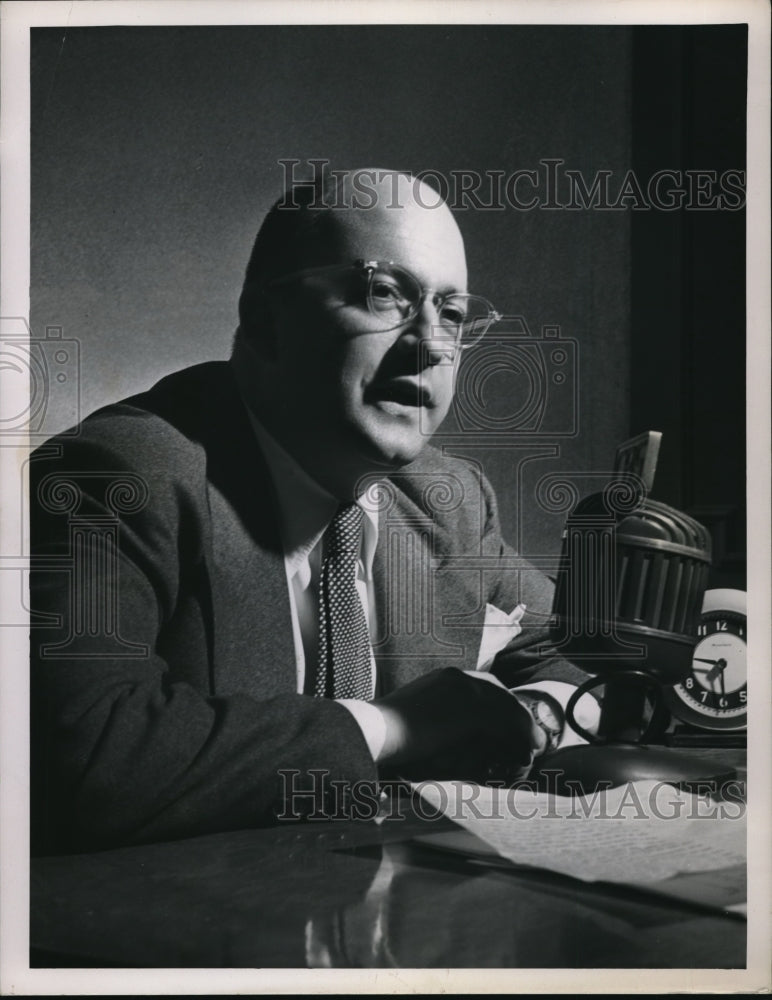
x,y
352,894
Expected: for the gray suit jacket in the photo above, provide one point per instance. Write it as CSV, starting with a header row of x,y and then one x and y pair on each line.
x,y
163,678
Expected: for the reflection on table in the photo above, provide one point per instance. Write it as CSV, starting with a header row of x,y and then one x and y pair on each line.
x,y
347,894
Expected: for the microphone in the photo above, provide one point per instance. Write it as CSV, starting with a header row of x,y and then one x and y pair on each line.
x,y
632,577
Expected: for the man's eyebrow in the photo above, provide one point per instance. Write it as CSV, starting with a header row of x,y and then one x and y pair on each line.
x,y
442,286
449,288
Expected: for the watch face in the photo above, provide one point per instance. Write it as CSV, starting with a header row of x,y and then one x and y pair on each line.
x,y
714,695
547,716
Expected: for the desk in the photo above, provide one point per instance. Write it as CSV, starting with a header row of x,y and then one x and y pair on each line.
x,y
355,895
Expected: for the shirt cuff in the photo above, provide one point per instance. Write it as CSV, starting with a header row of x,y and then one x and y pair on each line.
x,y
586,711
370,720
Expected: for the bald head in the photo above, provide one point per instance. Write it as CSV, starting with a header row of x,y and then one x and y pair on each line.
x,y
369,213
397,215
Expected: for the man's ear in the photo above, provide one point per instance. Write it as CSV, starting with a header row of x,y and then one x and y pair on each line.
x,y
258,322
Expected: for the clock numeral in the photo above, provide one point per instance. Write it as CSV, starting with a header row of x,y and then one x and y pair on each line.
x,y
712,693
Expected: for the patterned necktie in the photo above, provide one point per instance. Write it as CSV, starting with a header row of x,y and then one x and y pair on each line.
x,y
345,669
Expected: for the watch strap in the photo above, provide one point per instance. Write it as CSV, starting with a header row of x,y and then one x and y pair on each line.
x,y
547,713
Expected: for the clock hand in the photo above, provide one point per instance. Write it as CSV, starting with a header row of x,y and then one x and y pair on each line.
x,y
719,668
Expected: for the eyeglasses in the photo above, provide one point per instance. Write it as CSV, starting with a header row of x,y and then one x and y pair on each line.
x,y
394,296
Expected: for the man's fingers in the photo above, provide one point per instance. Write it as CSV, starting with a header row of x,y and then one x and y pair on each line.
x,y
515,718
449,711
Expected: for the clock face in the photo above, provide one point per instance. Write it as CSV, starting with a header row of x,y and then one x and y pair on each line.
x,y
714,695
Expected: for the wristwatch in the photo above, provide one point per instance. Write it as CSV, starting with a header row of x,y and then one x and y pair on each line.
x,y
549,716
547,713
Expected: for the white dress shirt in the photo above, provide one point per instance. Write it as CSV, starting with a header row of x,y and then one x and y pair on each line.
x,y
305,511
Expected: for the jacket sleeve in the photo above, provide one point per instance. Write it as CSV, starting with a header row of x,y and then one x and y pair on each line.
x,y
123,750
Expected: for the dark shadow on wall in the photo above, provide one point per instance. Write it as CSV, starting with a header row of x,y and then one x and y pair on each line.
x,y
155,153
688,276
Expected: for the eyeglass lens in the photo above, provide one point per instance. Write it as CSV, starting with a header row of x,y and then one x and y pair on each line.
x,y
395,296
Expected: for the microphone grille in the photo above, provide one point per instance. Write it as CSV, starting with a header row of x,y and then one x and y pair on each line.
x,y
630,587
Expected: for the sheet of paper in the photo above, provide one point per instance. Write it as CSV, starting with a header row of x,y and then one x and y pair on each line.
x,y
639,833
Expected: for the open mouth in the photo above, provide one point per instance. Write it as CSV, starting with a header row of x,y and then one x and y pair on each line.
x,y
399,390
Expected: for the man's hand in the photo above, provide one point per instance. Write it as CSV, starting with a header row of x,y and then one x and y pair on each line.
x,y
451,724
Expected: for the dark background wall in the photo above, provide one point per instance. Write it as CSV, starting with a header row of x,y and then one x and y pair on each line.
x,y
155,155
688,281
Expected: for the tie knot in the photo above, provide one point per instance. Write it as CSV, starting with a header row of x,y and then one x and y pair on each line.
x,y
345,530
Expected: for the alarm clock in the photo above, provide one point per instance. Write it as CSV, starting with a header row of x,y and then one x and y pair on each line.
x,y
713,698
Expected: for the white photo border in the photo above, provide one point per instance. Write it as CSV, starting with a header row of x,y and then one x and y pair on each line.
x,y
16,18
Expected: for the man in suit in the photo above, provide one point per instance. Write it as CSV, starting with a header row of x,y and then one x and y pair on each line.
x,y
193,642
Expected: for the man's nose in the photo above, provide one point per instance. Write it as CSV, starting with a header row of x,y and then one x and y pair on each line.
x,y
425,335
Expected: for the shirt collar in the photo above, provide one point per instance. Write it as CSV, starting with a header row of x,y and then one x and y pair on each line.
x,y
306,509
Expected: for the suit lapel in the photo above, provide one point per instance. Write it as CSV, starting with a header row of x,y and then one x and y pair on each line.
x,y
253,644
430,609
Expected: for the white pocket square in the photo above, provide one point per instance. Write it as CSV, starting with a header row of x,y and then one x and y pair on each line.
x,y
499,629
